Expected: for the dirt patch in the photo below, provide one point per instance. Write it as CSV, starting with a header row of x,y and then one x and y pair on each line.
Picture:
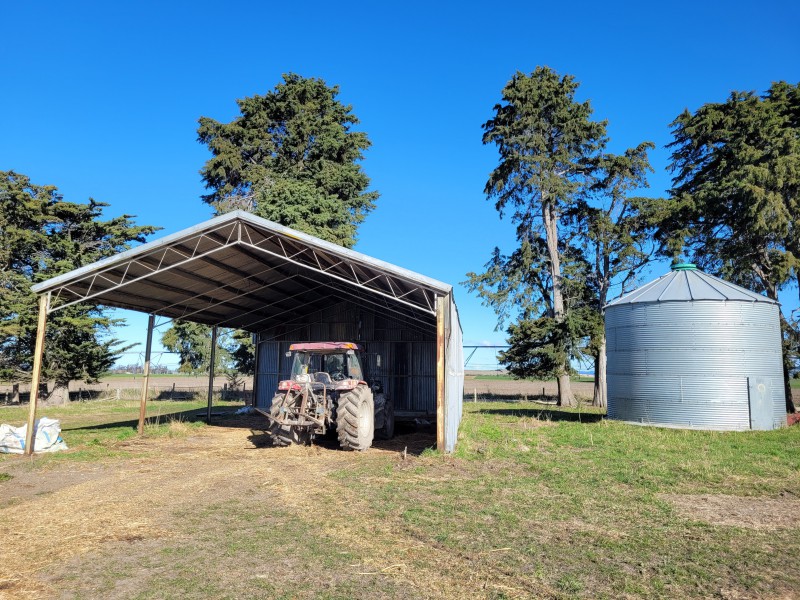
x,y
26,483
738,511
73,531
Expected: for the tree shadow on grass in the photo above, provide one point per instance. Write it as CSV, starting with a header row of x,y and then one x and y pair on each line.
x,y
492,397
186,416
546,414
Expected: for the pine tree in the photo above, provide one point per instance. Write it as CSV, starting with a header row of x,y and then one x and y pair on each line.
x,y
615,233
291,157
547,144
734,207
42,236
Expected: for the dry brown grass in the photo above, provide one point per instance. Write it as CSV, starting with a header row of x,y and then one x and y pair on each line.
x,y
738,511
530,507
98,513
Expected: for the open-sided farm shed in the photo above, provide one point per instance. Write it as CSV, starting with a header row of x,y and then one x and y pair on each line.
x,y
241,271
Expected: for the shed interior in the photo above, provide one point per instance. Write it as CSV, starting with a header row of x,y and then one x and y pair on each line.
x,y
241,271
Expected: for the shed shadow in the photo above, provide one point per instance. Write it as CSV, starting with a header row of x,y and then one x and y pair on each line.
x,y
546,414
408,439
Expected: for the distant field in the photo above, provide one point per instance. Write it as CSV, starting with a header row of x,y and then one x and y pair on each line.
x,y
152,375
506,377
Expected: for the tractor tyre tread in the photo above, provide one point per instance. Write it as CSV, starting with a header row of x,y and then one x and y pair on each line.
x,y
348,422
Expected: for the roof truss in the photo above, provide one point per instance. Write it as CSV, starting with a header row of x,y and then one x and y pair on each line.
x,y
242,271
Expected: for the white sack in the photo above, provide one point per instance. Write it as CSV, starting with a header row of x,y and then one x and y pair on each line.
x,y
48,437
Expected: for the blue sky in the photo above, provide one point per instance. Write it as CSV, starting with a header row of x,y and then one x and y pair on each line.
x,y
102,99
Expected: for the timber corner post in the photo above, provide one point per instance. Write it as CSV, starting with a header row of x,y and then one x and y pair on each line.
x,y
146,384
440,386
44,308
211,372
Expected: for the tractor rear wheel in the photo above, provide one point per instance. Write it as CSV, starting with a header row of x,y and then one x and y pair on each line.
x,y
387,431
355,419
286,435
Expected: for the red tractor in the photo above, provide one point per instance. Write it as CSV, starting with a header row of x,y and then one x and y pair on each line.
x,y
327,392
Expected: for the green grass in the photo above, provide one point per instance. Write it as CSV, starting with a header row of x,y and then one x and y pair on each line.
x,y
795,383
199,376
580,503
93,430
537,501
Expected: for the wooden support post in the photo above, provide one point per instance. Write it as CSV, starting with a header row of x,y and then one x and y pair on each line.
x,y
151,321
440,388
211,371
44,306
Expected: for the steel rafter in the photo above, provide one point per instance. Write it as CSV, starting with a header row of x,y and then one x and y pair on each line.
x,y
123,280
298,261
392,293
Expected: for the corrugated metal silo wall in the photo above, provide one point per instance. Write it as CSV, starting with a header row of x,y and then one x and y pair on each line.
x,y
454,382
693,364
407,367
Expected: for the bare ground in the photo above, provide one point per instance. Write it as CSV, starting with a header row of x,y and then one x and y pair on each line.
x,y
221,506
158,383
68,527
736,511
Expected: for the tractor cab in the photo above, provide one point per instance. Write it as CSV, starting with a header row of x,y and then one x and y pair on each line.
x,y
326,365
333,365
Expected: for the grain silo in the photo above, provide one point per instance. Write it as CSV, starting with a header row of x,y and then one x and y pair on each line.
x,y
693,351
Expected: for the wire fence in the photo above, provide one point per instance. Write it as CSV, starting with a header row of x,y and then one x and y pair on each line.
x,y
16,396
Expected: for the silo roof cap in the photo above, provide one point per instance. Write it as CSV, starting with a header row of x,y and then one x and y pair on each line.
x,y
686,283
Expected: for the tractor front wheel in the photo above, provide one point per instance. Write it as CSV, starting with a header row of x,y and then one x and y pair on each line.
x,y
355,419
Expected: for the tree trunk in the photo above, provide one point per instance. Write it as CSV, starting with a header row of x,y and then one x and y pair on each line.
x,y
787,384
565,396
600,385
59,396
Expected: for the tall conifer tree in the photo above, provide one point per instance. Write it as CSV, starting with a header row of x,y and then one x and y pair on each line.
x,y
293,157
734,206
42,236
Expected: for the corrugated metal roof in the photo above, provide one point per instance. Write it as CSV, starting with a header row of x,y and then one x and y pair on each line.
x,y
688,284
239,270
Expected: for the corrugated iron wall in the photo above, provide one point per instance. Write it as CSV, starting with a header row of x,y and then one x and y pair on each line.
x,y
454,376
704,364
407,353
